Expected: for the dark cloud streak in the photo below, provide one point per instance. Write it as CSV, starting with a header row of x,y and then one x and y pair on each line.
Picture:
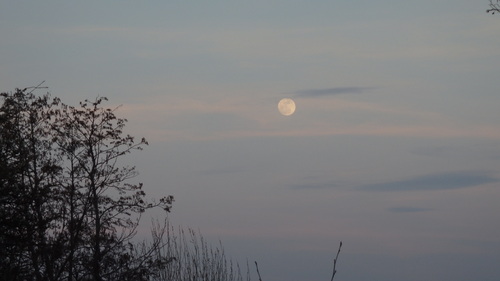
x,y
442,181
316,186
313,93
406,209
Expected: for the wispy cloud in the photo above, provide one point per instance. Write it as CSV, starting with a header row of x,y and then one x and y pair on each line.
x,y
316,186
313,93
221,171
441,181
407,209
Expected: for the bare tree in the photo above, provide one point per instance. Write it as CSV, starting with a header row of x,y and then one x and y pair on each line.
x,y
108,206
68,208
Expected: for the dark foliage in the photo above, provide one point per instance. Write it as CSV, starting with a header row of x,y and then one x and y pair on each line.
x,y
67,208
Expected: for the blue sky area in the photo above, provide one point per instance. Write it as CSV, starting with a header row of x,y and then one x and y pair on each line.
x,y
394,147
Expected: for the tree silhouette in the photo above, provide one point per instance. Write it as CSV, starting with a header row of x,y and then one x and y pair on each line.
x,y
68,210
92,137
27,186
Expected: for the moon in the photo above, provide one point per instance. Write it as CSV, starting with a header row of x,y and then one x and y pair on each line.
x,y
286,106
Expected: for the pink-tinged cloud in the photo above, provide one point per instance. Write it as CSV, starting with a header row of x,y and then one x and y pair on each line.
x,y
191,119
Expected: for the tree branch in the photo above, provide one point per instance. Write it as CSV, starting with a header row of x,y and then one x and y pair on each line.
x,y
495,7
335,261
258,273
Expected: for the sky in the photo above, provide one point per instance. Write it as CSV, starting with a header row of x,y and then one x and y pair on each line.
x,y
394,147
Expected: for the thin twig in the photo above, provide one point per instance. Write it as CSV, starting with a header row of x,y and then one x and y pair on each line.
x,y
335,261
258,273
36,87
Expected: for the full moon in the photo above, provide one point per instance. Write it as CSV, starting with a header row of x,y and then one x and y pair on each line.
x,y
286,106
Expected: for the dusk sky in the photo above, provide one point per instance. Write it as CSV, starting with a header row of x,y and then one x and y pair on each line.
x,y
394,147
